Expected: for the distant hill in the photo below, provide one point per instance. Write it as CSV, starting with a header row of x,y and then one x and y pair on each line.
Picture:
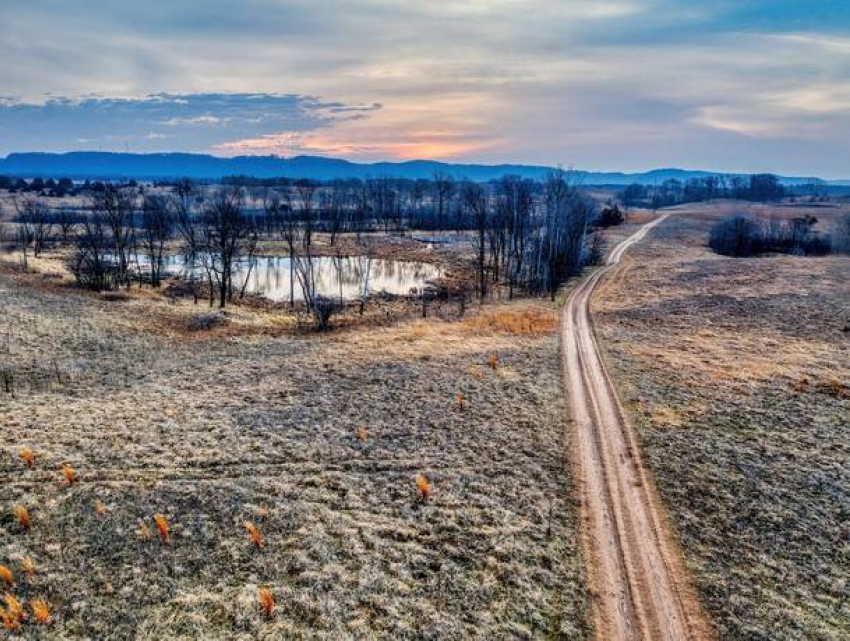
x,y
111,166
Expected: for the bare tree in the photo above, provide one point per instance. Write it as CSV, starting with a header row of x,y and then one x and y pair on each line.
x,y
156,229
65,219
444,187
476,201
227,235
115,207
37,223
91,263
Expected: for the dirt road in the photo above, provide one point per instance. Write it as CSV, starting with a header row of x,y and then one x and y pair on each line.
x,y
638,585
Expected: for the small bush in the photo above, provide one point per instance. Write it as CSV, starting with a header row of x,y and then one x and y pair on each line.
x,y
206,321
610,216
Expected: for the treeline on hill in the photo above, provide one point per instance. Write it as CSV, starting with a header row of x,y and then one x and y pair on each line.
x,y
527,235
755,188
39,186
742,235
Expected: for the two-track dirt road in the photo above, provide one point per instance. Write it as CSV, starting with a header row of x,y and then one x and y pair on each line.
x,y
639,588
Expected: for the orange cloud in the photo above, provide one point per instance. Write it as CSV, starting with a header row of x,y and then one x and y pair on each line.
x,y
416,146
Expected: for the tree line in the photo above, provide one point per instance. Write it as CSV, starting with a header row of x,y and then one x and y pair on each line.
x,y
526,235
755,188
741,235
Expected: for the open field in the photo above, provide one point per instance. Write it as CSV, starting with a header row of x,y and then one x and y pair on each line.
x,y
211,429
736,374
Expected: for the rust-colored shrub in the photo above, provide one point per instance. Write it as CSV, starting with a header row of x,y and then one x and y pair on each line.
x,y
28,457
100,507
494,362
13,614
11,622
22,514
40,611
266,600
163,528
6,576
254,534
460,397
70,474
423,486
263,512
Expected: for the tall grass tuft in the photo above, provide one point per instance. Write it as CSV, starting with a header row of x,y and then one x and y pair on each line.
x,y
460,397
28,457
254,534
266,600
163,528
423,486
13,615
22,514
70,474
40,611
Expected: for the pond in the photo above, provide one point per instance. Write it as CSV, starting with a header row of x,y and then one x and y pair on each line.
x,y
343,277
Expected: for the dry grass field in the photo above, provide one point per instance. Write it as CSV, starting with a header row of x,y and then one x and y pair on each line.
x,y
736,373
317,441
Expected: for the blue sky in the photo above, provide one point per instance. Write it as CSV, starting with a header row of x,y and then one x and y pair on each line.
x,y
621,84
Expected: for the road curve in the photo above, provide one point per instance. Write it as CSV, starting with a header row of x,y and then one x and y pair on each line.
x,y
638,586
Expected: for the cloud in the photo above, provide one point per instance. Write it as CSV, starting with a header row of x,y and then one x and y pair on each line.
x,y
198,121
625,84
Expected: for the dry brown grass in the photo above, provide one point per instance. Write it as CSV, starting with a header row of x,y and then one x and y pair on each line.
x,y
206,428
518,322
734,371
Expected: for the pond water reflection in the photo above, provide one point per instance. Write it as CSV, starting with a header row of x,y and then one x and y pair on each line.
x,y
342,277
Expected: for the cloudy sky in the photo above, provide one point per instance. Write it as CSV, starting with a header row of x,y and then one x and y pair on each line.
x,y
735,85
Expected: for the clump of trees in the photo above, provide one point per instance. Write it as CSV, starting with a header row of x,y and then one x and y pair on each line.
x,y
610,216
756,188
39,186
741,235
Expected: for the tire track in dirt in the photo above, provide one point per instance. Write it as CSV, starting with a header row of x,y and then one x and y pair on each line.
x,y
638,584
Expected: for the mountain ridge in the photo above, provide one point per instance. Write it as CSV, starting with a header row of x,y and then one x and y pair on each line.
x,y
117,165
